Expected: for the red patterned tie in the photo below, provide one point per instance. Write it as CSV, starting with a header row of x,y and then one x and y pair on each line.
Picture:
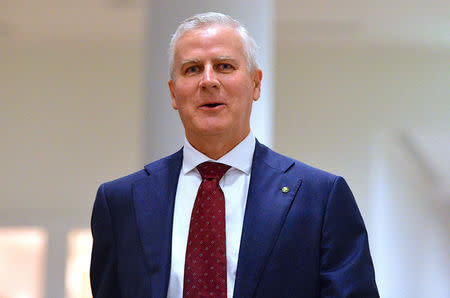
x,y
205,269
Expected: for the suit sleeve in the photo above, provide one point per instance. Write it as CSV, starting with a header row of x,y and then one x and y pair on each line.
x,y
103,271
346,268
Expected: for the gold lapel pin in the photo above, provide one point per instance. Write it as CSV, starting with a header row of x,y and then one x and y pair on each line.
x,y
285,189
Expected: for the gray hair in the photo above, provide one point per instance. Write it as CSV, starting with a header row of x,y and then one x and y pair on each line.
x,y
209,19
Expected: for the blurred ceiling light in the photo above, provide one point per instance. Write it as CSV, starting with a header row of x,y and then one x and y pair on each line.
x,y
78,260
22,255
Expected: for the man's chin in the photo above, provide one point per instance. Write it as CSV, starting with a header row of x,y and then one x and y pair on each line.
x,y
210,130
213,131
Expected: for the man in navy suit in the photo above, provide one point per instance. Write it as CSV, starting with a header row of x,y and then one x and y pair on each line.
x,y
291,230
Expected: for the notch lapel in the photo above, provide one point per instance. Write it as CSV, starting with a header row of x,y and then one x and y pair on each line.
x,y
154,198
266,209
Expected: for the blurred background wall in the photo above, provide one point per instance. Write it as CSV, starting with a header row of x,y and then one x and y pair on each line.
x,y
359,89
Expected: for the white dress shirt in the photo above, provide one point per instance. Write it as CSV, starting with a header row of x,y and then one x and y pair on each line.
x,y
234,185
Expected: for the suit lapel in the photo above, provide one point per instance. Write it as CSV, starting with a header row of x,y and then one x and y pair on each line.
x,y
266,210
154,198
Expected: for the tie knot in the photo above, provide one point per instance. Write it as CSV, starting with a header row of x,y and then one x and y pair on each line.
x,y
212,170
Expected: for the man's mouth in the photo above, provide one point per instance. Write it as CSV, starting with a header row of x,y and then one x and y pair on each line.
x,y
212,105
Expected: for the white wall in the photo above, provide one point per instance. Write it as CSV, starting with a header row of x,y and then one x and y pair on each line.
x,y
70,119
410,227
332,99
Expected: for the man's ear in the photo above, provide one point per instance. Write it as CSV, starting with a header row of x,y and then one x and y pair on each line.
x,y
257,77
171,84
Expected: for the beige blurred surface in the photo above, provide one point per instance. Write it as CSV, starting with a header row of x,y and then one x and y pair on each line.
x,y
70,119
71,91
333,99
78,260
23,251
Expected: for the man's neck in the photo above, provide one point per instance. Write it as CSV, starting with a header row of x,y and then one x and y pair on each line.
x,y
215,146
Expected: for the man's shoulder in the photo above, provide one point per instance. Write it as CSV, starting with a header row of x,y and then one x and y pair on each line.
x,y
124,183
291,166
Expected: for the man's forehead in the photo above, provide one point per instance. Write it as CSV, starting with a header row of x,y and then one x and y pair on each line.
x,y
213,31
210,29
207,38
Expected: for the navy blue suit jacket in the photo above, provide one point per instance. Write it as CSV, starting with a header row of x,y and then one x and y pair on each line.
x,y
308,242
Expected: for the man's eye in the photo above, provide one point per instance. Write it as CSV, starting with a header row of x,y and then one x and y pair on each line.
x,y
192,69
225,67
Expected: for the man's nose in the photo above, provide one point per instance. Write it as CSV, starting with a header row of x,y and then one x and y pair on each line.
x,y
209,78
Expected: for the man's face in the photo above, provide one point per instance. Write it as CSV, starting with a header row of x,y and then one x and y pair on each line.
x,y
213,89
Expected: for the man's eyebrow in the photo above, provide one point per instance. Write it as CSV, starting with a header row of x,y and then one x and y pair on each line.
x,y
217,59
189,61
225,58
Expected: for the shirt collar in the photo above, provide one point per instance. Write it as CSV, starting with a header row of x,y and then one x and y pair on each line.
x,y
240,157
